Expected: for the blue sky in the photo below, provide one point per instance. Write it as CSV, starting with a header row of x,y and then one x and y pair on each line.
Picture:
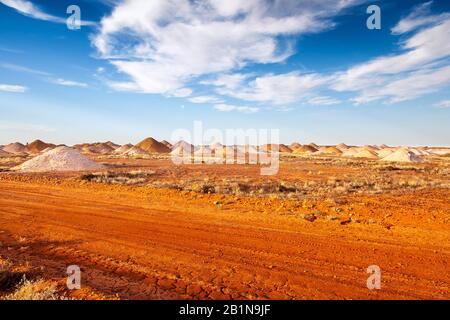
x,y
145,68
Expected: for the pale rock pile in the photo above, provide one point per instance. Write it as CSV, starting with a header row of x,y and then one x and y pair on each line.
x,y
59,159
123,149
403,155
135,152
365,153
350,153
383,153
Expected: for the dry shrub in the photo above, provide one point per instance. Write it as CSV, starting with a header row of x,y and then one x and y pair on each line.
x,y
34,290
126,178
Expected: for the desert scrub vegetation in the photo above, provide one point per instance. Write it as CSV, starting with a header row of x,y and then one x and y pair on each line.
x,y
34,290
373,183
16,284
126,178
8,278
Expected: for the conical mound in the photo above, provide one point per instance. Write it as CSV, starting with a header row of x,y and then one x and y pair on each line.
x,y
59,159
276,148
100,148
183,145
166,143
402,155
113,145
305,149
153,146
351,152
366,153
37,146
332,150
294,145
135,152
342,146
15,148
383,153
123,149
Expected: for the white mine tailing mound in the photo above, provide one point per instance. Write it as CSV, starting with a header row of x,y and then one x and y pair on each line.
x,y
365,153
350,152
123,149
403,155
59,159
135,152
383,153
439,151
419,152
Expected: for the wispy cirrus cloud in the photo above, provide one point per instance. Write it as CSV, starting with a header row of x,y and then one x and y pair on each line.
x,y
69,83
420,68
12,88
229,108
205,99
18,68
323,101
443,104
420,16
27,8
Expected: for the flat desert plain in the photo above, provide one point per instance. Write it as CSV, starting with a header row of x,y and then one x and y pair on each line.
x,y
145,228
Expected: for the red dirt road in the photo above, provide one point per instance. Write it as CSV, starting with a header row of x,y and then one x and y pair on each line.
x,y
142,243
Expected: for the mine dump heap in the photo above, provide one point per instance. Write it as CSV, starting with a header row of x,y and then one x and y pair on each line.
x,y
135,152
151,145
123,149
403,155
15,148
38,146
59,159
305,149
4,153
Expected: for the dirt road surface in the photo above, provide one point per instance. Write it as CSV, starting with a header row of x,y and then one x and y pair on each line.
x,y
143,243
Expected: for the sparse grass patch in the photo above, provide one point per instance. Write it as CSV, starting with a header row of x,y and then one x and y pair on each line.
x,y
126,178
34,290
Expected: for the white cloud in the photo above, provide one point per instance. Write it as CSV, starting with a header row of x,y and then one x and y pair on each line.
x,y
229,81
15,67
205,99
324,101
182,93
419,17
164,44
277,89
70,83
28,9
409,87
12,88
419,69
443,104
228,108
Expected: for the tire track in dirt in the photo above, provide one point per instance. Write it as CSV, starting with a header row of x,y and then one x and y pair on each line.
x,y
175,250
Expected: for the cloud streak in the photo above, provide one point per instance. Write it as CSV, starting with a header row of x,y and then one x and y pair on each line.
x,y
27,8
12,88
